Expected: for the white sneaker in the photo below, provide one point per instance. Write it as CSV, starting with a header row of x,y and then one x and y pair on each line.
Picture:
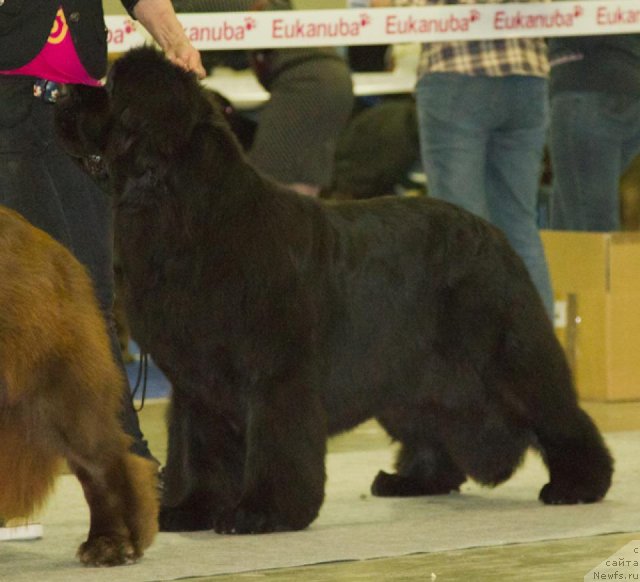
x,y
14,530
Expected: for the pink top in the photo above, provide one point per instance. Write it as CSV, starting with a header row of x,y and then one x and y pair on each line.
x,y
58,61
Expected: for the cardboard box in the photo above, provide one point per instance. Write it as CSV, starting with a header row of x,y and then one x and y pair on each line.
x,y
596,281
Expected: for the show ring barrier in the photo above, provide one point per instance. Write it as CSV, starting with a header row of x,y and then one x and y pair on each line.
x,y
370,26
364,26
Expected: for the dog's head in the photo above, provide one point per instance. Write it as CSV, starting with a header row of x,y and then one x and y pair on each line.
x,y
151,97
144,115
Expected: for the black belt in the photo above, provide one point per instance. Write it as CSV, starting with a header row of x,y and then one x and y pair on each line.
x,y
47,91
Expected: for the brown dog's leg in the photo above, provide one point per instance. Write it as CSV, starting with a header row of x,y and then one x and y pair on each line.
x,y
119,487
123,510
82,425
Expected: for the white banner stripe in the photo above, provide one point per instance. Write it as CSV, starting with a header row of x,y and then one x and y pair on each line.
x,y
307,28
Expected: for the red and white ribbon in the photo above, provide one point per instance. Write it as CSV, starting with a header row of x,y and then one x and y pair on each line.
x,y
307,28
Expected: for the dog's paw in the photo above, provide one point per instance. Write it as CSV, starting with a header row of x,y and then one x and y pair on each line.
x,y
394,485
107,551
566,494
180,519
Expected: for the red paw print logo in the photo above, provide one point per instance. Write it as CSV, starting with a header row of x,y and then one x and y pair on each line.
x,y
577,11
129,26
249,23
475,15
365,19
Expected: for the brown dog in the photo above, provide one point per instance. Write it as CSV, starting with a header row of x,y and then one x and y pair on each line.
x,y
60,396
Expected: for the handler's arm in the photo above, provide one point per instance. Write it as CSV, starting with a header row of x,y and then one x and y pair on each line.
x,y
386,3
159,18
230,5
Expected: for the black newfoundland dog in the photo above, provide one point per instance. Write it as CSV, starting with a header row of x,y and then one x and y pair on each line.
x,y
281,320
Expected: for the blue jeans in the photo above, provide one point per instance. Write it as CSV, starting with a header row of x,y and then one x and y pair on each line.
x,y
593,138
41,182
482,140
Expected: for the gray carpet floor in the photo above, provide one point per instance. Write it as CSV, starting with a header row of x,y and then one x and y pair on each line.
x,y
352,525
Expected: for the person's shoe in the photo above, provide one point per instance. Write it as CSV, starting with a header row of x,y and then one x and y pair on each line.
x,y
13,530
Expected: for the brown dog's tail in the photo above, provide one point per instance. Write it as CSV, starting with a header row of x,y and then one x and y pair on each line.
x,y
27,468
142,514
28,461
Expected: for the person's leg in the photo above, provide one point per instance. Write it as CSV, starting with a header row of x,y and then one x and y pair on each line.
x,y
588,130
453,121
298,129
514,166
38,180
631,142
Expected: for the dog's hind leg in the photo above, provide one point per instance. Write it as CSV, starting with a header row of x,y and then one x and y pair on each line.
x,y
485,440
536,378
205,460
580,466
284,469
120,490
423,466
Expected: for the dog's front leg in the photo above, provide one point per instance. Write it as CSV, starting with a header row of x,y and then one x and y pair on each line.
x,y
284,467
203,474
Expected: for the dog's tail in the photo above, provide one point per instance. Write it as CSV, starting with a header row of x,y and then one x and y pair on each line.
x,y
28,461
142,514
27,466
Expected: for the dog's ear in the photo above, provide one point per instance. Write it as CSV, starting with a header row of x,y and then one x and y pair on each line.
x,y
83,120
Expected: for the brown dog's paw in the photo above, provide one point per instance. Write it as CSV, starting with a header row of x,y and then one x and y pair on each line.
x,y
107,551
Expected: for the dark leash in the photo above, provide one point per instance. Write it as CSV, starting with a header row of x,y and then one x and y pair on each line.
x,y
50,92
141,380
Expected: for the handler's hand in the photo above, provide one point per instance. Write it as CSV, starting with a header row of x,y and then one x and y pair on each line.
x,y
186,56
159,18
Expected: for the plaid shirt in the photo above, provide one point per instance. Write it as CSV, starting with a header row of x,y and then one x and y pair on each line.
x,y
492,58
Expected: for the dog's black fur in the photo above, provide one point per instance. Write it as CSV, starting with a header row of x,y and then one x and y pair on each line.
x,y
281,320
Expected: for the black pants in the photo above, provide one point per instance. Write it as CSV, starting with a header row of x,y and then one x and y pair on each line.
x,y
41,182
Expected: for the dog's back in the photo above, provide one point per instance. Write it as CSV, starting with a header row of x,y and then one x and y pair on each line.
x,y
407,259
40,284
